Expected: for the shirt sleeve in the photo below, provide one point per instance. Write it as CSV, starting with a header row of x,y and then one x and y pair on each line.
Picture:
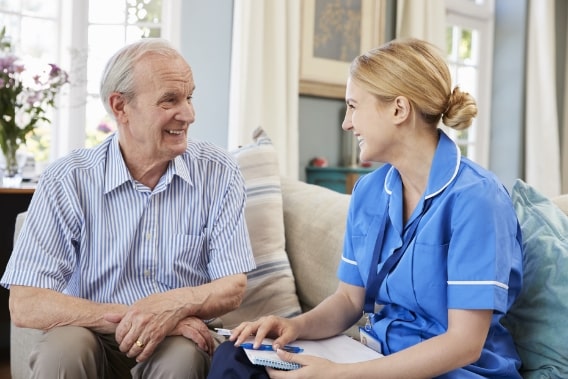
x,y
44,253
484,256
348,270
228,238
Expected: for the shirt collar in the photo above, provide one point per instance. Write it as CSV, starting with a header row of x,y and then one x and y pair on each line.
x,y
117,173
444,169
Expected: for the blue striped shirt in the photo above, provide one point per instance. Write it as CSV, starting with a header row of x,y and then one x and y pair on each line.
x,y
94,232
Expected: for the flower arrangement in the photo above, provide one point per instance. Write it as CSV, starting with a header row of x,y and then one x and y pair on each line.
x,y
26,95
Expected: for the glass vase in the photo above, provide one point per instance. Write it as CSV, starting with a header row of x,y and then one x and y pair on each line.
x,y
11,176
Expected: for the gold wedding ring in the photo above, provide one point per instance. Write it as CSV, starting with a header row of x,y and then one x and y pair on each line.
x,y
140,344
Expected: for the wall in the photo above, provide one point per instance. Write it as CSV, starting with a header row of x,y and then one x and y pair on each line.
x,y
206,44
508,93
206,30
319,130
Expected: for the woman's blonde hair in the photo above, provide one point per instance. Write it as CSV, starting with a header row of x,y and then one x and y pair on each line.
x,y
416,70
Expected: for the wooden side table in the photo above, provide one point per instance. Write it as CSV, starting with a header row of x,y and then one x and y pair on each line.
x,y
12,202
340,179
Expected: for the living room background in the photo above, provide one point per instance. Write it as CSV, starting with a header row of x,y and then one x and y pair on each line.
x,y
206,24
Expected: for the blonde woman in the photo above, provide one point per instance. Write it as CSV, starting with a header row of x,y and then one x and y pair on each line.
x,y
431,236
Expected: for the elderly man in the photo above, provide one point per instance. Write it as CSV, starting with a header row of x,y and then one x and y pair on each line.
x,y
130,248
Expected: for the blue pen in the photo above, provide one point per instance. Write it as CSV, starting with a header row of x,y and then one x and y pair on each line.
x,y
288,348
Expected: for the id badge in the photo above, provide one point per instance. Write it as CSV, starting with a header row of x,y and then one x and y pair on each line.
x,y
369,339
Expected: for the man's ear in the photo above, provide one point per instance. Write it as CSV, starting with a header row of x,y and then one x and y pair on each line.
x,y
402,109
117,104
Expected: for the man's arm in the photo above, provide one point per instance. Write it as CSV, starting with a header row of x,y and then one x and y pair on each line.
x,y
168,308
41,308
148,321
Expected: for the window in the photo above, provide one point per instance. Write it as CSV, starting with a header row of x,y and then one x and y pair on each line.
x,y
27,23
80,35
469,43
111,25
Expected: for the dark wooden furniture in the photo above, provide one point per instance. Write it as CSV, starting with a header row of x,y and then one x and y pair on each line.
x,y
340,179
12,202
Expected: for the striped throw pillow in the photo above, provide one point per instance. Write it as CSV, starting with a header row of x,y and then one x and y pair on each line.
x,y
271,288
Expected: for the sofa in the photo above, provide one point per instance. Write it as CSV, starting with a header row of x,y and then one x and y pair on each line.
x,y
297,235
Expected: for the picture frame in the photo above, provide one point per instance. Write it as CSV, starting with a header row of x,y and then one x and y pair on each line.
x,y
333,34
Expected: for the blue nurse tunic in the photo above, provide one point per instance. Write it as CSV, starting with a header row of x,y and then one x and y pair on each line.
x,y
466,254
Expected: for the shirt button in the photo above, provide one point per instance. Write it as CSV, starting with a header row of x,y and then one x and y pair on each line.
x,y
146,273
148,236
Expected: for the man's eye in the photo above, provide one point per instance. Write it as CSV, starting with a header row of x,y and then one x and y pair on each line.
x,y
189,99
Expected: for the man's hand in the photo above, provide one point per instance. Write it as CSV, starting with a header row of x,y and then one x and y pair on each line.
x,y
145,324
196,330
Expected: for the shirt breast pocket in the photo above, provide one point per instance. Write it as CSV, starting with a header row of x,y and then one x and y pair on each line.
x,y
183,261
429,275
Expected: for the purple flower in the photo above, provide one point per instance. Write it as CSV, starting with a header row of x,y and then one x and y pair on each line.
x,y
104,127
7,63
55,70
27,95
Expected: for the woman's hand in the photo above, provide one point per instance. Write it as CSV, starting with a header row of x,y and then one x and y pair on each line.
x,y
281,329
312,367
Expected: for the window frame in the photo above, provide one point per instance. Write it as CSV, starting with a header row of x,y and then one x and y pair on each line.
x,y
68,136
479,15
67,129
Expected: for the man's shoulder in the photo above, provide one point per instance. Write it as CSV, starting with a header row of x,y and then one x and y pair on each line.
x,y
83,159
207,152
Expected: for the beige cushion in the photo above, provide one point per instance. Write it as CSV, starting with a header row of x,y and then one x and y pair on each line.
x,y
309,211
561,202
271,288
315,219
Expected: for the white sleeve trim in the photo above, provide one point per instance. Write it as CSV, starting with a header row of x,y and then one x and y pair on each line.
x,y
349,261
478,283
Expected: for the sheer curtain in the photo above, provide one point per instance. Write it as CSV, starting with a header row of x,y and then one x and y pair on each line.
x,y
422,19
564,126
265,75
564,150
542,145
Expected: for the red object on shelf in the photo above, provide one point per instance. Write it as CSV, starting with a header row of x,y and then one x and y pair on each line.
x,y
319,162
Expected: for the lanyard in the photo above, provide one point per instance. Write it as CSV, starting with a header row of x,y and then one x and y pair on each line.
x,y
375,279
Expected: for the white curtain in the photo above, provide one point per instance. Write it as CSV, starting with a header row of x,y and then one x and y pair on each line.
x,y
564,144
422,19
542,145
265,75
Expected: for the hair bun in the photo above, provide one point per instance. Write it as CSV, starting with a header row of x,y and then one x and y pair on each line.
x,y
461,110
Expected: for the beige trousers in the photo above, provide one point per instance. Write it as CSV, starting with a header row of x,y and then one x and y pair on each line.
x,y
76,352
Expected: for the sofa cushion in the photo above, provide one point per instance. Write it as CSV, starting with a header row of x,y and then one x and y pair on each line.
x,y
314,240
271,288
537,320
314,260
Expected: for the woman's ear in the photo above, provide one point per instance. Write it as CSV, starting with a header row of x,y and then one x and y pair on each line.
x,y
402,109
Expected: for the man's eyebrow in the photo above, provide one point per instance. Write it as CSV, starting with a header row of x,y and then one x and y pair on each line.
x,y
168,94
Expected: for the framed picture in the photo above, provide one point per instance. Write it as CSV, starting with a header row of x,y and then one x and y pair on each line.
x,y
333,34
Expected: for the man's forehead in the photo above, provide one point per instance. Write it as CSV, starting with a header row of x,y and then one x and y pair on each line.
x,y
166,72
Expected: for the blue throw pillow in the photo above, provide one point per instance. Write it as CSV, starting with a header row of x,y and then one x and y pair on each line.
x,y
538,319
